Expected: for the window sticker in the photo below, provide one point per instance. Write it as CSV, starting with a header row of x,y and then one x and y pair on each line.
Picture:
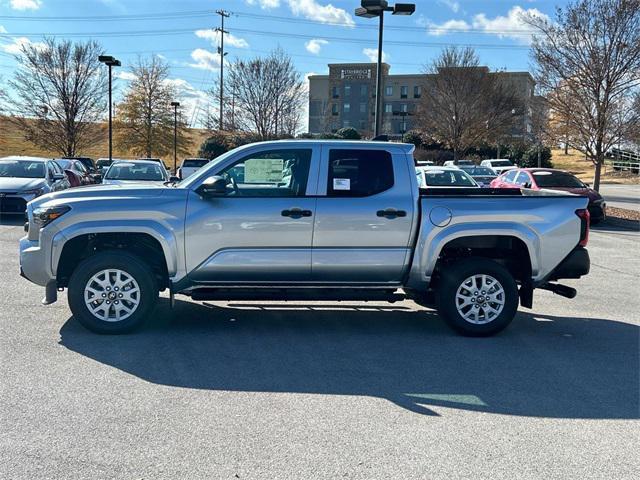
x,y
342,184
263,170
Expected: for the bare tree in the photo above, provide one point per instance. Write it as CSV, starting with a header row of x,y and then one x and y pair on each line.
x,y
464,103
145,118
269,94
588,61
59,95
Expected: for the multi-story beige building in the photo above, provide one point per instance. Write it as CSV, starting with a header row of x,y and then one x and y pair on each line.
x,y
346,98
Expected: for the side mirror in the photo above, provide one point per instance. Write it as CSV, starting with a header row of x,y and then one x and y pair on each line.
x,y
174,179
58,176
214,186
588,185
527,185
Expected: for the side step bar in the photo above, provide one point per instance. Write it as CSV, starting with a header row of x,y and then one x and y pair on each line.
x,y
339,294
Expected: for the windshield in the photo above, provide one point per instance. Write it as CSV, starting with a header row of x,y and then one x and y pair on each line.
x,y
64,164
22,169
195,163
131,171
475,171
448,178
501,163
557,179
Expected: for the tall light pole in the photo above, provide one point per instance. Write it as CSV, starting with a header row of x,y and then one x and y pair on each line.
x,y
376,8
222,31
175,106
110,61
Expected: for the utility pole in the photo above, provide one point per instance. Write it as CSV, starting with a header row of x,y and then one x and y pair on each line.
x,y
222,31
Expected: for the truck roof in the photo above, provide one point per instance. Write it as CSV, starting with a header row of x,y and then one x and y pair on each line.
x,y
404,147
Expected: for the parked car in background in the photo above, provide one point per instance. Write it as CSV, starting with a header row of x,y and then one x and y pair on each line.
x,y
552,179
146,172
190,166
76,172
498,165
24,178
483,176
443,177
86,161
424,163
452,163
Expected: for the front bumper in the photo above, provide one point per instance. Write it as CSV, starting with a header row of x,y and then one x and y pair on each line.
x,y
35,262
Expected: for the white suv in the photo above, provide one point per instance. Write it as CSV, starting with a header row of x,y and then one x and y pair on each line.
x,y
499,165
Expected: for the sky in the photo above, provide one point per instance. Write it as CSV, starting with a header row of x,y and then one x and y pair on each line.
x,y
313,32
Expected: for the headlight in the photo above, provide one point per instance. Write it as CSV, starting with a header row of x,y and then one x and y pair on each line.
x,y
45,215
34,191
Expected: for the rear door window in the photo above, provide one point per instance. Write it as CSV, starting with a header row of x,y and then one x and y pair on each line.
x,y
359,173
510,176
523,178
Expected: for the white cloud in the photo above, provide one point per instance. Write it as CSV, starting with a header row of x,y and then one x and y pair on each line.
x,y
25,4
509,26
204,59
265,4
372,54
124,75
15,47
452,4
312,10
315,45
229,39
443,28
191,98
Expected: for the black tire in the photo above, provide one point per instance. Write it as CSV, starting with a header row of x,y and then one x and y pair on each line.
x,y
132,266
453,277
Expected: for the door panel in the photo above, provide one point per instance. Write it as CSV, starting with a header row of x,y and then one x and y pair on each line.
x,y
356,239
253,235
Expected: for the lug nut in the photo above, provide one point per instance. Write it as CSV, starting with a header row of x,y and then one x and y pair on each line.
x,y
116,289
108,302
120,295
473,300
104,295
116,302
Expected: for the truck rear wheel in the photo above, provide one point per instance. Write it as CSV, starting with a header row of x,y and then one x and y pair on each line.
x,y
112,292
477,297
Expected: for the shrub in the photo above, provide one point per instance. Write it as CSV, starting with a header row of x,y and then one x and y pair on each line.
x,y
214,146
530,158
413,136
349,133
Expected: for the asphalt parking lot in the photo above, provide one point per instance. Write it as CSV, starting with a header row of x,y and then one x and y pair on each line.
x,y
321,390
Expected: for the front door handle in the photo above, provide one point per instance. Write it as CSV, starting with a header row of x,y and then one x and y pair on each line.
x,y
391,213
296,213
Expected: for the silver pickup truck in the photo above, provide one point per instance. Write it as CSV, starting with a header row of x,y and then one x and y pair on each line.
x,y
304,220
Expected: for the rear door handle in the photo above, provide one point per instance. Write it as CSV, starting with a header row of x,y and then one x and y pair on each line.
x,y
296,213
391,213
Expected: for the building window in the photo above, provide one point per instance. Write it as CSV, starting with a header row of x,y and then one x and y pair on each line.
x,y
388,91
363,108
347,90
346,123
347,107
388,108
363,124
334,92
417,91
334,109
364,90
403,107
404,92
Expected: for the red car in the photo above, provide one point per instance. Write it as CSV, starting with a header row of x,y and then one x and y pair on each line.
x,y
551,179
76,172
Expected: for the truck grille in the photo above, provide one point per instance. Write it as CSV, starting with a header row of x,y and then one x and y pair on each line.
x,y
12,205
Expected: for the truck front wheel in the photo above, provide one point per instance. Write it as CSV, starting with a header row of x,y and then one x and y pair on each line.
x,y
112,292
477,297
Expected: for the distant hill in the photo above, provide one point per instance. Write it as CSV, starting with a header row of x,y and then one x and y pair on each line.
x,y
12,142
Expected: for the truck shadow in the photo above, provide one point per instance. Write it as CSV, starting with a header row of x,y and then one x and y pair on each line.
x,y
542,366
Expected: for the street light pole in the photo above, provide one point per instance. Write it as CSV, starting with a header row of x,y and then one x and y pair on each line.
x,y
222,31
376,8
110,61
175,106
378,114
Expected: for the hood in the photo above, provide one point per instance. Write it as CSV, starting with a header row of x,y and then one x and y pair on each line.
x,y
94,192
17,184
134,183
